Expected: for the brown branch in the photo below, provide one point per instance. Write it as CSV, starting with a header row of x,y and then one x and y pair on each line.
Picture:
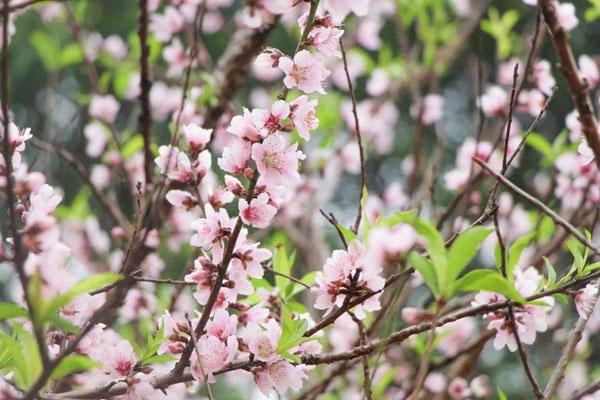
x,y
11,197
24,4
590,389
145,117
163,381
577,86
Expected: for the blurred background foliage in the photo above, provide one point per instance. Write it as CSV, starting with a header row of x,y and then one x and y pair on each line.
x,y
51,91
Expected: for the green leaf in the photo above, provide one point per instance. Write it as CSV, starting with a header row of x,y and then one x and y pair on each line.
x,y
463,250
133,145
12,310
154,343
426,269
347,233
71,364
501,395
19,362
514,253
47,48
542,145
159,359
85,286
487,280
384,382
551,273
292,333
69,55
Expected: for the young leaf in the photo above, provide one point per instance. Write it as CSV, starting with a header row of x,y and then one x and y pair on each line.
x,y
85,286
11,310
347,233
426,269
551,273
487,280
463,250
71,364
514,252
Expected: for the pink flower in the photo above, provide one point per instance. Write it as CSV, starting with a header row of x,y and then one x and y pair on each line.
x,y
270,121
250,258
235,157
542,76
175,56
212,355
244,128
115,46
565,13
277,7
458,389
17,137
196,136
585,299
480,386
350,157
119,362
529,319
164,26
222,325
378,83
324,35
340,8
263,342
304,116
345,273
181,199
432,109
105,108
100,176
531,101
211,229
96,135
281,375
462,7
275,162
494,101
259,212
589,70
306,72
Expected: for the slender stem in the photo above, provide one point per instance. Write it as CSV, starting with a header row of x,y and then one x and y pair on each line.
x,y
541,206
363,174
145,117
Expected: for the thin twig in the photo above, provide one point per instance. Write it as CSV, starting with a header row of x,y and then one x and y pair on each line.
x,y
145,117
363,174
540,205
365,359
568,351
334,222
537,391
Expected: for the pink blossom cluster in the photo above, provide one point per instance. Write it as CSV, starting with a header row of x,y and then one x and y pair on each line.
x,y
528,319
